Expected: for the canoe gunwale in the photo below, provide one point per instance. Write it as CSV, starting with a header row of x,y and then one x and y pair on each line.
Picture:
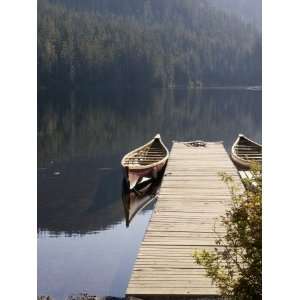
x,y
147,166
238,159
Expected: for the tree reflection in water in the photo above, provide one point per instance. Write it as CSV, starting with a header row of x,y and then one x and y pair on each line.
x,y
83,135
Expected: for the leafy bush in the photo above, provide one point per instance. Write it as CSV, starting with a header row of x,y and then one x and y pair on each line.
x,y
236,266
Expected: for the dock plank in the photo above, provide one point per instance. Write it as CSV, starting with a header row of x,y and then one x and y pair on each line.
x,y
186,217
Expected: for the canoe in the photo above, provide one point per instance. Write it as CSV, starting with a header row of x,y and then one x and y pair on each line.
x,y
245,152
135,201
145,161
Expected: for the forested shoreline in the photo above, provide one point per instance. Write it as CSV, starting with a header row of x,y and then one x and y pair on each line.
x,y
151,43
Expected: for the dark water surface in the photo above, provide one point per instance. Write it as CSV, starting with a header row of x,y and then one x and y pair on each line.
x,y
83,243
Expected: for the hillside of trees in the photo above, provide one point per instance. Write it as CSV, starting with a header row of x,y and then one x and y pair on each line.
x,y
248,11
150,43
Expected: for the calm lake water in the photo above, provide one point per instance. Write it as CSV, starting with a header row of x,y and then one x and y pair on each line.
x,y
83,242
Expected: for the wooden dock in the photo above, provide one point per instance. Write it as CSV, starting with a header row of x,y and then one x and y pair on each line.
x,y
185,218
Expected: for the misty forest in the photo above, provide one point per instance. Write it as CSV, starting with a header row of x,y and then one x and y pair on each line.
x,y
146,43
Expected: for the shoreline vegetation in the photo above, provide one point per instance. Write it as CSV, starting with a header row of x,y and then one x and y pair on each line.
x,y
125,44
236,266
175,87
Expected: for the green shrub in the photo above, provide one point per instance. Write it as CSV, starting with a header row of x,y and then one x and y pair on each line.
x,y
236,266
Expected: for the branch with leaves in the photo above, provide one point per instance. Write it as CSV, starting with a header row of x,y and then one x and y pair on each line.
x,y
236,265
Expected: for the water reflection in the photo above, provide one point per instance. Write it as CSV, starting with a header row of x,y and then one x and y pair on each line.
x,y
90,124
83,135
81,139
99,264
139,198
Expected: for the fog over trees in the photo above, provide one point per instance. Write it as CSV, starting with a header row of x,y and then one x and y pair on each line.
x,y
250,11
150,43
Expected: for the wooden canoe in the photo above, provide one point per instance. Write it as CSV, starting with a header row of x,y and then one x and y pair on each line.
x,y
135,200
245,152
145,161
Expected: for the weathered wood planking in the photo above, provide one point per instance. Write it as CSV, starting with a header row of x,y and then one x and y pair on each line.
x,y
186,217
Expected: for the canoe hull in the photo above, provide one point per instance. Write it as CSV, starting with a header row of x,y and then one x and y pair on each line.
x,y
240,163
147,161
133,176
245,152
